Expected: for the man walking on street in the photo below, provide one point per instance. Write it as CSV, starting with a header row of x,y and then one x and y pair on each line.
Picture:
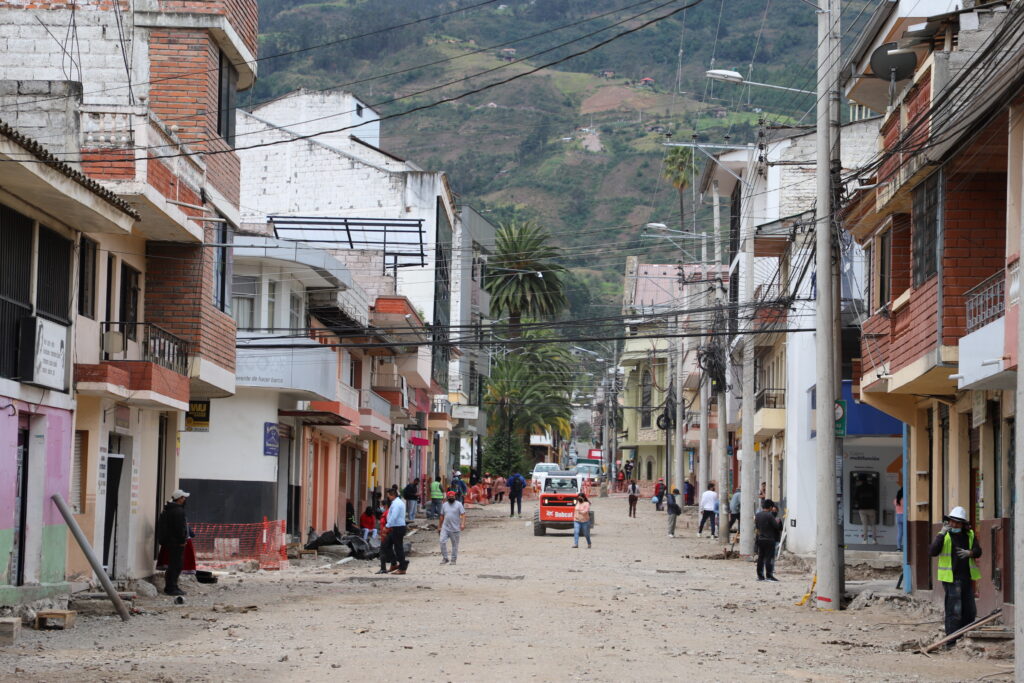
x,y
769,532
673,512
395,540
708,503
634,494
516,484
173,535
957,548
453,521
411,493
436,498
734,510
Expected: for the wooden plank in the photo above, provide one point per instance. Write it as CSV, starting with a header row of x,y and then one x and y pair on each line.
x,y
55,618
956,634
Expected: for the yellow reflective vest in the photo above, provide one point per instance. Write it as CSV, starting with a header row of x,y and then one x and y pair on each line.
x,y
946,559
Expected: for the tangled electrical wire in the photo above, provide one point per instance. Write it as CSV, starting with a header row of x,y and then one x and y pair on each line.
x,y
711,359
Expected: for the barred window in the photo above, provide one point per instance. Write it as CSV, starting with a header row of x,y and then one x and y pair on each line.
x,y
925,226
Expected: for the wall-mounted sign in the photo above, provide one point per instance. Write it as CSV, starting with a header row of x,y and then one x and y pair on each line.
x,y
840,415
197,419
461,412
271,439
43,354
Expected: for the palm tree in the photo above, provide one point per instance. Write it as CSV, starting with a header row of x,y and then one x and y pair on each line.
x,y
523,277
678,169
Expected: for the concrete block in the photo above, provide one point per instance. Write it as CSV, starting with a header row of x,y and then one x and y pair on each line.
x,y
10,630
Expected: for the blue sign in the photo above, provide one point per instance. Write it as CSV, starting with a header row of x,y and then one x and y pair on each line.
x,y
271,439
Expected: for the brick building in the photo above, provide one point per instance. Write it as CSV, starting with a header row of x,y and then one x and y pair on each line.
x,y
940,229
140,98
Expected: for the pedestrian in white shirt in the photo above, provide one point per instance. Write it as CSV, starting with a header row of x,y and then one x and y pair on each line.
x,y
708,504
453,521
395,524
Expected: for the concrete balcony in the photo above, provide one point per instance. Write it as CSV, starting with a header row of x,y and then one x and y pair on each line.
x,y
117,142
345,403
769,413
416,367
440,417
374,416
139,364
982,351
305,373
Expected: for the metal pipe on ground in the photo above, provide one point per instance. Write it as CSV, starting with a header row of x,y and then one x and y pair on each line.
x,y
83,543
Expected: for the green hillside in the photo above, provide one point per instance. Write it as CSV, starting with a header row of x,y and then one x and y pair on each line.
x,y
578,150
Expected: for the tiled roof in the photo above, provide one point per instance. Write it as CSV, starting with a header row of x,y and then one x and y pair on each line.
x,y
47,157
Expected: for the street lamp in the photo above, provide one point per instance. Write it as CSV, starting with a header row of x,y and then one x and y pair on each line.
x,y
728,76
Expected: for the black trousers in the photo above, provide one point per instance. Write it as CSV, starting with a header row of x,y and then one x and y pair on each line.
x,y
632,505
734,518
705,515
395,544
173,571
514,498
765,558
960,607
499,496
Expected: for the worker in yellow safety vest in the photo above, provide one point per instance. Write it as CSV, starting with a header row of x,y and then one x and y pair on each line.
x,y
956,547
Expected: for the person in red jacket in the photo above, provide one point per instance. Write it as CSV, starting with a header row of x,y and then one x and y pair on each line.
x,y
368,523
659,493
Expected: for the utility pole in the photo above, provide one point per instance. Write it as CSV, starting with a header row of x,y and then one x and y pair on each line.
x,y
748,465
723,451
1018,510
829,460
680,416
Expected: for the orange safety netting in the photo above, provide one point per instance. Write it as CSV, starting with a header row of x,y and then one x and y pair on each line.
x,y
222,545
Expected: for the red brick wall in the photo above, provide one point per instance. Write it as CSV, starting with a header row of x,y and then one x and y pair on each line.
x,y
108,164
179,298
243,15
918,104
915,326
974,242
901,253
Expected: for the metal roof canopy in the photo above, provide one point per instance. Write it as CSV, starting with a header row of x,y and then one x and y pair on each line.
x,y
401,239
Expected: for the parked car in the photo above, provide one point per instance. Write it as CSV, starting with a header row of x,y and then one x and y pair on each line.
x,y
540,470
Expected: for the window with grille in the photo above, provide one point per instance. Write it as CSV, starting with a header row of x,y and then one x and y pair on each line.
x,y
646,394
15,284
925,226
243,301
87,277
227,88
129,300
53,276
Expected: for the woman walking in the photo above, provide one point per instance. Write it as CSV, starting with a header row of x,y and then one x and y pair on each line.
x,y
634,495
500,486
581,521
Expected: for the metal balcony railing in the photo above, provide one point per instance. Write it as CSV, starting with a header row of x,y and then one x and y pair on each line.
x,y
986,301
389,380
770,398
144,342
693,418
441,405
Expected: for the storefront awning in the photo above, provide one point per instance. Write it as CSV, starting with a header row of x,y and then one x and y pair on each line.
x,y
419,441
316,417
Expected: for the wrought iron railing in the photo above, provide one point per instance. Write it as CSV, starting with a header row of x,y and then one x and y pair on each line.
x,y
770,398
144,342
985,301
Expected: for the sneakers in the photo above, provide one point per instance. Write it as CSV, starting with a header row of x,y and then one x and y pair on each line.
x,y
714,535
444,560
671,535
452,562
700,534
589,546
760,578
575,546
771,578
175,591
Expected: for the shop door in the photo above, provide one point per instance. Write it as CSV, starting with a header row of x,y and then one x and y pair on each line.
x,y
115,466
17,568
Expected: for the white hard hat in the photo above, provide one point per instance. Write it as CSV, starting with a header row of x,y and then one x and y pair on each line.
x,y
959,514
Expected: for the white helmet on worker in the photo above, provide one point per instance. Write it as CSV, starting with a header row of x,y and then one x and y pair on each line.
x,y
958,514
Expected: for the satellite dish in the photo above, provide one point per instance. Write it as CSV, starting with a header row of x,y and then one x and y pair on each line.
x,y
893,67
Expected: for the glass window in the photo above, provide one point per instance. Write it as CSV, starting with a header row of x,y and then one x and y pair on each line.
x,y
925,225
221,265
129,300
87,277
271,322
226,88
296,321
884,267
646,392
243,301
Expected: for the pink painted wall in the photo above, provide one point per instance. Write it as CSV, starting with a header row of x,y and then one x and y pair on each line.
x,y
58,458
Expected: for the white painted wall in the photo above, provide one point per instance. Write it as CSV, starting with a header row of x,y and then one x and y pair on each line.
x,y
233,448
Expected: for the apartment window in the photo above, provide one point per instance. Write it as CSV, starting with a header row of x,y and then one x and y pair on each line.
x,y
925,218
296,321
53,276
87,277
884,268
129,300
271,304
243,301
869,273
646,394
221,265
227,86
15,284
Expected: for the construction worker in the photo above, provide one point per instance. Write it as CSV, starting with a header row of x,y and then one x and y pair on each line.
x,y
957,548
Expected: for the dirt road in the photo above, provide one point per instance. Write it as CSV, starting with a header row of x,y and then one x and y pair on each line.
x,y
637,607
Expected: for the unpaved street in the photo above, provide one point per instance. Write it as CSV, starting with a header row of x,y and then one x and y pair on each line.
x,y
637,607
